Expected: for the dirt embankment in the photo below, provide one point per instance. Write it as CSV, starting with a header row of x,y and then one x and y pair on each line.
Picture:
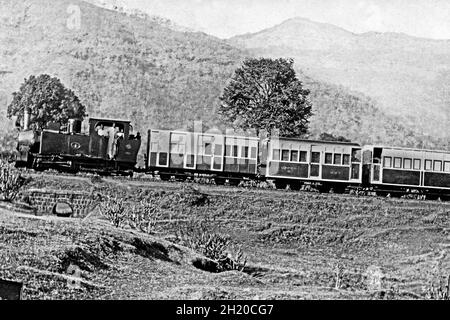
x,y
298,245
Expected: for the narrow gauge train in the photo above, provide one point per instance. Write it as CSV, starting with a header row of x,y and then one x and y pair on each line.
x,y
225,158
108,147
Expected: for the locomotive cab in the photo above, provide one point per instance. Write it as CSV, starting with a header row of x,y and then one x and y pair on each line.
x,y
113,139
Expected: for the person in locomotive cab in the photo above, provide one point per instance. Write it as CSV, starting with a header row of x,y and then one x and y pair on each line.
x,y
120,134
112,138
101,130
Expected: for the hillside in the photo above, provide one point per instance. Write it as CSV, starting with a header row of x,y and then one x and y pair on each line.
x,y
406,76
299,245
126,66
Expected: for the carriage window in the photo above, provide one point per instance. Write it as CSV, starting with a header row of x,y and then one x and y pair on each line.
x,y
235,151
253,152
218,150
397,162
328,158
428,164
285,155
346,159
244,151
190,161
294,156
356,155
447,166
276,154
417,164
176,147
315,157
337,158
437,165
162,159
177,143
407,163
231,150
303,156
207,148
227,150
387,162
154,146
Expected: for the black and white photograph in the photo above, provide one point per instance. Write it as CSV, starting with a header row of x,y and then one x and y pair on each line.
x,y
238,152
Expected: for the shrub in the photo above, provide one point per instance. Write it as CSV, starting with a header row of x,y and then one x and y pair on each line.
x,y
114,209
191,196
215,246
145,215
96,179
10,181
441,291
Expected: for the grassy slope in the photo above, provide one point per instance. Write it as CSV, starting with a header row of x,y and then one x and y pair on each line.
x,y
294,241
128,67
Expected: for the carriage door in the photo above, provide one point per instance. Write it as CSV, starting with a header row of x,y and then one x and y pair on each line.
x,y
177,150
162,140
190,160
356,165
314,162
218,153
210,152
376,164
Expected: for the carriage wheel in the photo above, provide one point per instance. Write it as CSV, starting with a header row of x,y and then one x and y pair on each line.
x,y
164,176
295,186
220,181
280,185
234,182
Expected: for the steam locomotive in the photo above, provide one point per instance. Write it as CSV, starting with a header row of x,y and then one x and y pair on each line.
x,y
109,147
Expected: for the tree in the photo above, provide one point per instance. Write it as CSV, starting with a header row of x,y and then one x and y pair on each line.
x,y
265,94
330,137
48,101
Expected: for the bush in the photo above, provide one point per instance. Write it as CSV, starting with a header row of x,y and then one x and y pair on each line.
x,y
96,179
10,181
439,291
145,215
191,196
215,246
114,209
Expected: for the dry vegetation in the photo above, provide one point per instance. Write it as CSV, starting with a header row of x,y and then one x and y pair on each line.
x,y
277,244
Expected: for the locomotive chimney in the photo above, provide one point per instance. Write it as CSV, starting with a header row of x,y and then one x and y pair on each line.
x,y
26,118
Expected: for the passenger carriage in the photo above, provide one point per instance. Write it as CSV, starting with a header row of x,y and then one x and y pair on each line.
x,y
181,154
326,164
401,169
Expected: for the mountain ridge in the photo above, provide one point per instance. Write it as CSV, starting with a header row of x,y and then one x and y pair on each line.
x,y
407,76
128,67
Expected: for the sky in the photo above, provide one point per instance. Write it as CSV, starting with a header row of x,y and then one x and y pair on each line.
x,y
226,18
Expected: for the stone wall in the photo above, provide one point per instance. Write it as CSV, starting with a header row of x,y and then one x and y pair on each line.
x,y
46,201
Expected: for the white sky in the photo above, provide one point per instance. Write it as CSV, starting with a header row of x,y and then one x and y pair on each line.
x,y
226,18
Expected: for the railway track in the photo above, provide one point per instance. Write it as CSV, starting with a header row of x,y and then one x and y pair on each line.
x,y
218,190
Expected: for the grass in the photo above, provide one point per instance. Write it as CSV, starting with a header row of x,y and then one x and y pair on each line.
x,y
297,245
